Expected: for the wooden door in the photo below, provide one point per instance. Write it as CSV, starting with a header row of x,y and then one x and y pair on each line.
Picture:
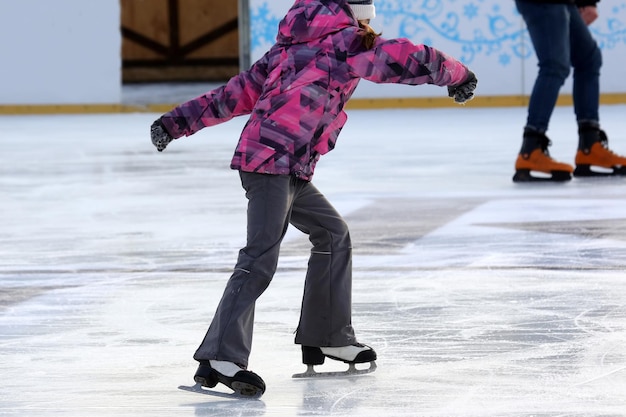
x,y
179,40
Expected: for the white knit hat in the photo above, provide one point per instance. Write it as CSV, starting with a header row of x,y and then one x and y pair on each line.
x,y
363,9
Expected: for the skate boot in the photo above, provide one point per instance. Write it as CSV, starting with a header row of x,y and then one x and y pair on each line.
x,y
351,354
535,158
593,151
235,377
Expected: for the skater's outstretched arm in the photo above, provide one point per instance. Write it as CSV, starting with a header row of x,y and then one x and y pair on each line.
x,y
403,62
236,98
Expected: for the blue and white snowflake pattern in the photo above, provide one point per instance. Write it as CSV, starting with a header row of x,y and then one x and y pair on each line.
x,y
469,29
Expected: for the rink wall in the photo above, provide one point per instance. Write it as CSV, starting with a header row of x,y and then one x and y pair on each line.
x,y
64,56
60,52
487,35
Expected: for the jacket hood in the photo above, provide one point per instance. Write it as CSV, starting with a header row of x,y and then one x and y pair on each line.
x,y
308,20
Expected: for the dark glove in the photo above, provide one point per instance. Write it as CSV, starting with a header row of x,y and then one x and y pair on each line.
x,y
160,137
465,91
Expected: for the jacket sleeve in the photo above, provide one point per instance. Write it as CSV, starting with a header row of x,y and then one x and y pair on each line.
x,y
236,98
403,62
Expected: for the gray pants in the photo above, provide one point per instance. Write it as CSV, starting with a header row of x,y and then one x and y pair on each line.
x,y
275,201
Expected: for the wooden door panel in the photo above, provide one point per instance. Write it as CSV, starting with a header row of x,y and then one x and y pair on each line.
x,y
179,40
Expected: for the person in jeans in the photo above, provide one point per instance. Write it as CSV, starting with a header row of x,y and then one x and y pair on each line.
x,y
562,40
294,96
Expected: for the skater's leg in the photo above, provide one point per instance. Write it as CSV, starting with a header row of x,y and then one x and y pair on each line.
x,y
229,337
593,147
548,26
327,302
586,61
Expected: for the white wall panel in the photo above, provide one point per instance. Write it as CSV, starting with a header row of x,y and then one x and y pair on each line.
x,y
60,52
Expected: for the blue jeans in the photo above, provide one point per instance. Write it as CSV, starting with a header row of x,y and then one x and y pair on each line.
x,y
561,40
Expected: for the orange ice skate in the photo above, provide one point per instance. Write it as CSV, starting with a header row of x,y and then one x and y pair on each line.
x,y
537,165
599,157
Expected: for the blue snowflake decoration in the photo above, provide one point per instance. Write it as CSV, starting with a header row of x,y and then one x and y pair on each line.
x,y
476,28
263,26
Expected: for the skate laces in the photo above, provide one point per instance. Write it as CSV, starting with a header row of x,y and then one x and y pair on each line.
x,y
544,143
604,142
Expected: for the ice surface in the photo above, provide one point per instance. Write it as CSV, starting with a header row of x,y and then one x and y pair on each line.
x,y
482,297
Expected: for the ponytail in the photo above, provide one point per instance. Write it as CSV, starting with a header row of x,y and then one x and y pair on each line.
x,y
369,35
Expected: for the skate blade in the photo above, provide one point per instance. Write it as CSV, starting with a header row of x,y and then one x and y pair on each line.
x,y
598,171
525,175
199,390
247,391
351,371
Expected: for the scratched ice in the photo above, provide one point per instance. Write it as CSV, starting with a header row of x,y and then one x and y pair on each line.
x,y
482,297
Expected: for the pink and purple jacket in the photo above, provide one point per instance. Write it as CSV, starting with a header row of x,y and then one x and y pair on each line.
x,y
295,94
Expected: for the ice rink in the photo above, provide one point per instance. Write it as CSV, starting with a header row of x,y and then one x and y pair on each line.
x,y
482,297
